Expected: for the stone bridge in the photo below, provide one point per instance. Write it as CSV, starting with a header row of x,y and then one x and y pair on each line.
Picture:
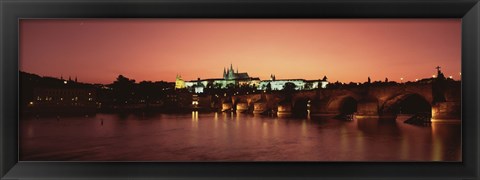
x,y
367,100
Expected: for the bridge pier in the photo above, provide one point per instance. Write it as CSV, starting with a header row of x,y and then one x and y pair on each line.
x,y
367,110
284,110
242,107
227,107
259,107
446,110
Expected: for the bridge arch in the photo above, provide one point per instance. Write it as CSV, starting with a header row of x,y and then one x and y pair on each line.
x,y
407,103
346,104
301,106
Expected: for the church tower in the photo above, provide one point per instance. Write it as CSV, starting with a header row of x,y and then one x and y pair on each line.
x,y
272,77
224,73
230,73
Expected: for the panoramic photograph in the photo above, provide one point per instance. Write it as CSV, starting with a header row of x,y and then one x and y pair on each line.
x,y
240,90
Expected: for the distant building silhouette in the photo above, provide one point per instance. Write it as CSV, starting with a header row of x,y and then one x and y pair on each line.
x,y
65,100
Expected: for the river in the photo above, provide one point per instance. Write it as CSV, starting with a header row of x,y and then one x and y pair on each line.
x,y
233,137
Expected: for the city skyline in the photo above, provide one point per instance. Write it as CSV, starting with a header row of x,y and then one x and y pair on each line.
x,y
75,79
97,51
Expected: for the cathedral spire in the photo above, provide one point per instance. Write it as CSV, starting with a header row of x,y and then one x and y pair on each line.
x,y
231,67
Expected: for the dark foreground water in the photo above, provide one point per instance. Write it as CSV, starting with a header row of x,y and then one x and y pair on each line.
x,y
233,137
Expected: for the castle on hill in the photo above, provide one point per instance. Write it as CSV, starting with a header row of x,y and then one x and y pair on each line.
x,y
234,78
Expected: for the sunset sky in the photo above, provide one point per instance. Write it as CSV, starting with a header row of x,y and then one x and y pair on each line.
x,y
347,50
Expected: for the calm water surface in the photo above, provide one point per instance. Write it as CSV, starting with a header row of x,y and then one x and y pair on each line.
x,y
233,137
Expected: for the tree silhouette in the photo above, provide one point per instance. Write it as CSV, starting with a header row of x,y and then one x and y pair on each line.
x,y
289,87
288,90
269,88
123,90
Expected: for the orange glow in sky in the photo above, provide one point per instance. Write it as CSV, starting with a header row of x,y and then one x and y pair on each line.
x,y
347,50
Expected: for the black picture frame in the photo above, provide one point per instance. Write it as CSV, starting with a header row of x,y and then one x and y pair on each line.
x,y
11,11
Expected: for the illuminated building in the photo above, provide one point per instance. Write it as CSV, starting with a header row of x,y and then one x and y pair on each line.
x,y
229,74
199,86
230,77
179,82
300,84
64,97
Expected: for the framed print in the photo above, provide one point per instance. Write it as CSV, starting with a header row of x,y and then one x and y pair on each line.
x,y
186,106
223,89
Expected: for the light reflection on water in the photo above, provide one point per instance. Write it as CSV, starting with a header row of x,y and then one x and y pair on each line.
x,y
234,137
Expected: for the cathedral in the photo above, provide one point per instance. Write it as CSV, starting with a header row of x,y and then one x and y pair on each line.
x,y
229,74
